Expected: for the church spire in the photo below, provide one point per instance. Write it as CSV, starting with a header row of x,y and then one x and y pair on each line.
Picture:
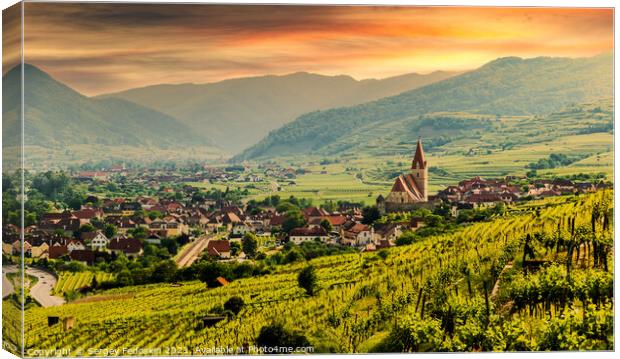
x,y
419,162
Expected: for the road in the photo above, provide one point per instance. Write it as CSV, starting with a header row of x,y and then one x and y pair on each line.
x,y
40,291
193,251
7,285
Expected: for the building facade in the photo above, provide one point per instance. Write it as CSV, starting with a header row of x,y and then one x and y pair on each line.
x,y
410,190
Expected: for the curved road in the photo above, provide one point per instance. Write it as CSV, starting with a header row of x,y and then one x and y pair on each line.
x,y
40,291
7,285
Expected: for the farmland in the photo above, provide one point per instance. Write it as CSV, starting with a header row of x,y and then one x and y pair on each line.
x,y
370,302
362,178
68,281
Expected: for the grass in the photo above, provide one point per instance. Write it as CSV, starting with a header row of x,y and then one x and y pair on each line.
x,y
449,165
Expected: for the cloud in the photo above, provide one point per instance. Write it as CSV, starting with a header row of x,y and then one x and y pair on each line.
x,y
99,48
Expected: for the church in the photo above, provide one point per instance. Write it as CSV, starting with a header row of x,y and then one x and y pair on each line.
x,y
410,190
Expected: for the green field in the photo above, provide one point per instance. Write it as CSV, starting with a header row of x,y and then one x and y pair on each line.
x,y
68,281
365,299
337,181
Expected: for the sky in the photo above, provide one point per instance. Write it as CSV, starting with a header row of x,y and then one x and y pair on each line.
x,y
100,48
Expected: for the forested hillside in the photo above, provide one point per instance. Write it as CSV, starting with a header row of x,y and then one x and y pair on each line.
x,y
237,113
56,115
504,87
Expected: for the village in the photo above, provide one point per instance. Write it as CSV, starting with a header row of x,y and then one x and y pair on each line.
x,y
183,221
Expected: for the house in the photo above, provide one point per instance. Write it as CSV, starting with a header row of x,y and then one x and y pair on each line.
x,y
96,240
7,248
314,212
40,251
75,245
57,251
240,229
276,221
131,247
306,234
87,213
84,256
17,248
129,208
219,248
153,238
337,221
387,232
357,235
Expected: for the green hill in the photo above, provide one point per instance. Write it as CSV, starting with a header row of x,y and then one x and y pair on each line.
x,y
56,115
237,113
507,87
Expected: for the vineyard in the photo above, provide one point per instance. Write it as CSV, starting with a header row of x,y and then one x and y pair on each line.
x,y
538,278
68,281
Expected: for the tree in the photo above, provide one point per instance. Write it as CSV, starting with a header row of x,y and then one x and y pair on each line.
x,y
124,278
327,226
307,279
209,271
164,272
370,214
235,248
407,237
294,219
234,304
249,244
275,338
109,230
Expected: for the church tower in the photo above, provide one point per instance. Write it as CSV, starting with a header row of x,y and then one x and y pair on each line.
x,y
419,171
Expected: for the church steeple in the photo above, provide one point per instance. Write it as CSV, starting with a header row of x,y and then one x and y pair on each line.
x,y
419,162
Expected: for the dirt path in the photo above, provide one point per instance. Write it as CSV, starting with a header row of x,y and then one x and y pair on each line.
x,y
499,278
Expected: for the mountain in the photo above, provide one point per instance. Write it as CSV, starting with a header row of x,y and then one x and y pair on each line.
x,y
506,86
237,113
56,115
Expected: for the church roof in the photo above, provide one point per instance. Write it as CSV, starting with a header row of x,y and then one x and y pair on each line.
x,y
405,183
419,161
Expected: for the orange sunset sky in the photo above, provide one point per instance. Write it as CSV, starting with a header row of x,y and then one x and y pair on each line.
x,y
97,48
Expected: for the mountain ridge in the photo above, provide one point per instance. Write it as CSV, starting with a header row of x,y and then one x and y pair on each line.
x,y
57,115
505,86
240,111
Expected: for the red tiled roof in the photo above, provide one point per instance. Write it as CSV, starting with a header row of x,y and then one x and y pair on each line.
x,y
222,281
336,220
82,255
89,235
277,220
86,213
405,183
127,245
230,217
359,227
57,251
217,247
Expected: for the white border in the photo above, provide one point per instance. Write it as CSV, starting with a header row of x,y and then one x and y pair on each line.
x,y
506,3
